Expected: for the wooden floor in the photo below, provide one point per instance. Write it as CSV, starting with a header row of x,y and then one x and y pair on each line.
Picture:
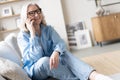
x,y
107,63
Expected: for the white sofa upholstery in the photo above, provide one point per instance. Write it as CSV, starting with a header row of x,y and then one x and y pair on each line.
x,y
10,59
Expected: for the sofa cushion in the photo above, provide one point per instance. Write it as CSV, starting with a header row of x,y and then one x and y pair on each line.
x,y
11,70
1,78
11,40
9,53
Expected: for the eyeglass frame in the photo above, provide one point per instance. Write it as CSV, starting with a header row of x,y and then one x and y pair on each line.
x,y
38,11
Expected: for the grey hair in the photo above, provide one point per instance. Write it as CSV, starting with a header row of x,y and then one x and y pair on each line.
x,y
23,16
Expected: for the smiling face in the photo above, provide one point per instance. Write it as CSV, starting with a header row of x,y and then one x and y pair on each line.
x,y
34,13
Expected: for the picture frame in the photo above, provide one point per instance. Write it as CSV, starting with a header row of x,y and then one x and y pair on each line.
x,y
109,2
18,22
76,26
6,11
71,29
96,3
79,25
106,2
83,39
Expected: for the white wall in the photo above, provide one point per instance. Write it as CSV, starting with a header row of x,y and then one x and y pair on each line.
x,y
54,16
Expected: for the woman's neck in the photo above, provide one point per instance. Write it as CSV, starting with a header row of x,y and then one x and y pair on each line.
x,y
37,29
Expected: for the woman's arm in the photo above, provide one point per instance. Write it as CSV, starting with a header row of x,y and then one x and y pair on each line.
x,y
30,48
58,43
59,48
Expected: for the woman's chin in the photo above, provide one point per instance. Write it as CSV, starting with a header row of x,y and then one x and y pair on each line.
x,y
35,24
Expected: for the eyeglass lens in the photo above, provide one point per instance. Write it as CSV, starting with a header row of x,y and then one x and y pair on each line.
x,y
32,13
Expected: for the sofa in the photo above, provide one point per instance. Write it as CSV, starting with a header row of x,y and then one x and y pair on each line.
x,y
10,60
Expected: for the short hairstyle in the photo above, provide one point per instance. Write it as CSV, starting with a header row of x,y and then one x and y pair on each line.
x,y
23,16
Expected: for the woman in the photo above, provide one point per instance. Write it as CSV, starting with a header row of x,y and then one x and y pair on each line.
x,y
44,53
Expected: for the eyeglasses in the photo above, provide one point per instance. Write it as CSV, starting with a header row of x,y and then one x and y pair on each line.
x,y
32,13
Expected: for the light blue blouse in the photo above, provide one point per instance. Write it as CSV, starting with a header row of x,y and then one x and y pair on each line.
x,y
40,46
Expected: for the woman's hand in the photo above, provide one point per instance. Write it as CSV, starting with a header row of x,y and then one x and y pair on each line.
x,y
54,60
30,26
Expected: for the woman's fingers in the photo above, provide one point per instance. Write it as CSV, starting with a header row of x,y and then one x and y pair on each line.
x,y
54,61
51,64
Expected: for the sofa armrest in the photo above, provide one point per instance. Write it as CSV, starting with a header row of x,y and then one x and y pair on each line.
x,y
9,53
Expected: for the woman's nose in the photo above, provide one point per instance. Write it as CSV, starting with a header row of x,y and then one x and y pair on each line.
x,y
36,14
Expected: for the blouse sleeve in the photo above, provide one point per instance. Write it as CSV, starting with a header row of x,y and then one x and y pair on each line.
x,y
30,48
58,43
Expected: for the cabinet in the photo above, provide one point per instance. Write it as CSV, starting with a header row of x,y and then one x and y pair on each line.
x,y
106,28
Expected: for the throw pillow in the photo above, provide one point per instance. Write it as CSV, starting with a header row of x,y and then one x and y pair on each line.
x,y
11,40
11,70
9,53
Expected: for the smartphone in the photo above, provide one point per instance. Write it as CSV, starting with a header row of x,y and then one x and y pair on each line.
x,y
25,26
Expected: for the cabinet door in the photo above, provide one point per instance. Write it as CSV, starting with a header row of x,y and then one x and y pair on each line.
x,y
117,19
96,24
108,27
